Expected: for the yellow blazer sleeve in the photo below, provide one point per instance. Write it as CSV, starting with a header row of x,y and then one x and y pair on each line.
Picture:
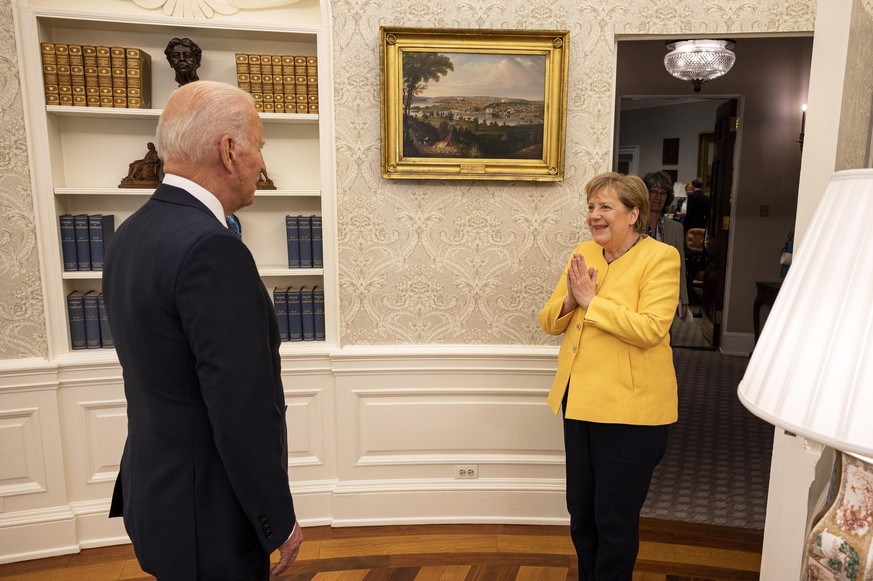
x,y
648,324
550,319
615,357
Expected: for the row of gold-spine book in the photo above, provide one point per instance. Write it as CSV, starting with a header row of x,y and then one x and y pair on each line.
x,y
96,76
279,83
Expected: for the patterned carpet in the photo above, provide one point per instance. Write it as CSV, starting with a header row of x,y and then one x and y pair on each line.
x,y
717,466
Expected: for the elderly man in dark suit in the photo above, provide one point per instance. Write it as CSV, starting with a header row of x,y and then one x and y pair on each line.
x,y
697,207
203,485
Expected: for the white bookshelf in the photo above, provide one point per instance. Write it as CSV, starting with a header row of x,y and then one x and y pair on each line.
x,y
80,154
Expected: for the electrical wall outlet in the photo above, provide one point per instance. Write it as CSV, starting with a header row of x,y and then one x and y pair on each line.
x,y
466,471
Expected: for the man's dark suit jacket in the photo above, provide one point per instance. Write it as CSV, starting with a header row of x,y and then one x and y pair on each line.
x,y
696,210
203,484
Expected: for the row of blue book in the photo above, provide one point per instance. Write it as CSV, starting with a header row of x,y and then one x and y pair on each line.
x,y
84,239
89,327
304,242
300,312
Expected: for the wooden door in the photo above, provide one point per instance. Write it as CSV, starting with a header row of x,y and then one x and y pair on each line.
x,y
718,228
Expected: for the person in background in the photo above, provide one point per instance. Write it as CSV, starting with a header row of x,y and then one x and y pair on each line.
x,y
697,207
660,186
679,210
615,382
203,483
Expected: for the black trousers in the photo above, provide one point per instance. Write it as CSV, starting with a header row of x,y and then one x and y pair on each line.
x,y
609,469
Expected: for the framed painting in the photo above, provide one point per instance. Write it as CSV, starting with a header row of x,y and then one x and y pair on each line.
x,y
670,151
473,104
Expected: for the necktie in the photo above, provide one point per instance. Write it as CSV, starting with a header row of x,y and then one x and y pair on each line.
x,y
233,225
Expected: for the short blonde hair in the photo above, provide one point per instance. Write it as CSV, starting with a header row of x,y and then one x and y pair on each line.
x,y
629,189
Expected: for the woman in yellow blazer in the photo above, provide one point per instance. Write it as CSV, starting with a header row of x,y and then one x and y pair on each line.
x,y
616,383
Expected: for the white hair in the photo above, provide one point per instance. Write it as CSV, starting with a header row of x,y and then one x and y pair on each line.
x,y
197,115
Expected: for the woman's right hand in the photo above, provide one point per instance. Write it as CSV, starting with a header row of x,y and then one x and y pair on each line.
x,y
581,282
570,303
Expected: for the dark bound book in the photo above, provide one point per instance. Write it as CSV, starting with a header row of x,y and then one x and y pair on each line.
x,y
105,333
304,228
76,316
83,241
292,233
139,78
100,230
280,305
92,320
307,314
295,321
317,248
68,242
318,307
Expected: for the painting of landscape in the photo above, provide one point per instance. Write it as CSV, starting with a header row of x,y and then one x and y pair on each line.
x,y
473,105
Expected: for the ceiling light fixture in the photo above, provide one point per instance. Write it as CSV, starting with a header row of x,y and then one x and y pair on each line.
x,y
699,60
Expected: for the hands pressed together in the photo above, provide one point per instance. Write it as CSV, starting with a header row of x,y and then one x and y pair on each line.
x,y
581,284
288,552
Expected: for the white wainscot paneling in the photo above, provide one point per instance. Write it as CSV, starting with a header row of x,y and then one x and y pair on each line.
x,y
310,418
35,517
22,468
408,416
105,429
449,424
94,418
305,433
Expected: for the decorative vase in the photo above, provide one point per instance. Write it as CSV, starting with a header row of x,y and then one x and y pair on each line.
x,y
839,546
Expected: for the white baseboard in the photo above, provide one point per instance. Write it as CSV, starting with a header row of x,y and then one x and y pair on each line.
x,y
737,344
37,534
501,501
95,528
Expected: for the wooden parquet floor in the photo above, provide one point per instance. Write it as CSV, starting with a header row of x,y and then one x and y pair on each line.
x,y
669,551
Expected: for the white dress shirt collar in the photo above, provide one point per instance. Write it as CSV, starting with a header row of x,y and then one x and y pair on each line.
x,y
208,198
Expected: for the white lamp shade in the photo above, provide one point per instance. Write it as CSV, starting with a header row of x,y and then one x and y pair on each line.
x,y
812,370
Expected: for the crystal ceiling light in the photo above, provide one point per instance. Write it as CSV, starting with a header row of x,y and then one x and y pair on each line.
x,y
699,60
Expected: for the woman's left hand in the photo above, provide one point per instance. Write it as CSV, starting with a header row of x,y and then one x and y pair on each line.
x,y
582,281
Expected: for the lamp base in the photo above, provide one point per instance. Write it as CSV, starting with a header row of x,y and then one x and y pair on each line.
x,y
840,546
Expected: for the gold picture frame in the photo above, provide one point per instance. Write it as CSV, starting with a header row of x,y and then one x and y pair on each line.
x,y
499,114
705,155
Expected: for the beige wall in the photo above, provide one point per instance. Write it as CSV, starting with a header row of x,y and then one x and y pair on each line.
x,y
22,319
427,261
449,262
854,136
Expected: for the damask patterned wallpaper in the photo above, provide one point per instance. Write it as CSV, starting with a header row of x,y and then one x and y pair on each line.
x,y
854,136
424,261
473,262
22,320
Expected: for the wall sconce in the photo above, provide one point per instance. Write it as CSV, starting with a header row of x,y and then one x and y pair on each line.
x,y
802,126
699,60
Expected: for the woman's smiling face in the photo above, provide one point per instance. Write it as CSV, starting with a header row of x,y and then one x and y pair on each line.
x,y
611,222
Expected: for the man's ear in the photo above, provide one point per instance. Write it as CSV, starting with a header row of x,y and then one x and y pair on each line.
x,y
226,148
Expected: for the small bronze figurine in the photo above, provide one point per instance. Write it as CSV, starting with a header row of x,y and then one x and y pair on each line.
x,y
184,55
264,182
145,172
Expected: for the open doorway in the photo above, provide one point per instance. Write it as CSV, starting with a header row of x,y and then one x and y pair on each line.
x,y
677,135
768,85
769,82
